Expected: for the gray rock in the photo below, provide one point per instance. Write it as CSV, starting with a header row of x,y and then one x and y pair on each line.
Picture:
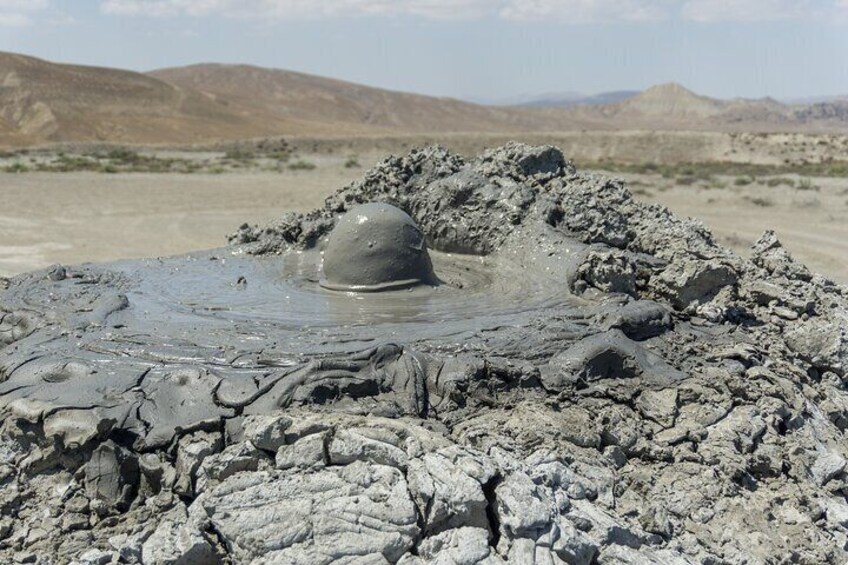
x,y
234,459
192,450
95,557
827,466
111,474
176,543
307,453
462,546
267,432
318,517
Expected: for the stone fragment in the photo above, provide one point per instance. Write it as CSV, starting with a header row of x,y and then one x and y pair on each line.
x,y
111,474
348,446
460,546
191,452
176,543
608,271
95,557
448,488
234,459
660,406
689,282
827,466
267,432
315,517
307,453
821,343
523,508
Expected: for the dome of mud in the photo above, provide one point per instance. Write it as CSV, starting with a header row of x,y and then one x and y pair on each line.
x,y
376,247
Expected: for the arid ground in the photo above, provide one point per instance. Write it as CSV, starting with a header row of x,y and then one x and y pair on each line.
x,y
90,212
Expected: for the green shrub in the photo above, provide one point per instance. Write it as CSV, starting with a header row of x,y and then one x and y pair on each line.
x,y
239,154
301,165
16,167
806,184
123,155
777,181
761,202
280,155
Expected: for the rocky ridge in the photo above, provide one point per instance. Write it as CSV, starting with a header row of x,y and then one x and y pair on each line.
x,y
690,409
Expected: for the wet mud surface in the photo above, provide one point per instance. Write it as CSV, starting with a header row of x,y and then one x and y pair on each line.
x,y
594,381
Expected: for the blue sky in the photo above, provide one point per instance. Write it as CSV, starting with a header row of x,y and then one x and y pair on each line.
x,y
463,48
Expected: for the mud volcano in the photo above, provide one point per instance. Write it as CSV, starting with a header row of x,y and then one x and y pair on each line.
x,y
567,376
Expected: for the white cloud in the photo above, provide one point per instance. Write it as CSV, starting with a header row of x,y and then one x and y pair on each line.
x,y
297,9
756,10
18,13
587,11
14,19
568,11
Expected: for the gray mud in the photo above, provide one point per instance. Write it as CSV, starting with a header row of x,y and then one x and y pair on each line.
x,y
595,381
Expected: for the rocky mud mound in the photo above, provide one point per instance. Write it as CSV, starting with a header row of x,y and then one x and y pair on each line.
x,y
618,389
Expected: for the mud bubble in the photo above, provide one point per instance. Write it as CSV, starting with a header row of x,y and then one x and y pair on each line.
x,y
376,247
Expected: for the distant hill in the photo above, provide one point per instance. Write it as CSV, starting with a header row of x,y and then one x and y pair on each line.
x,y
571,99
41,101
835,111
44,102
670,102
816,100
560,99
286,94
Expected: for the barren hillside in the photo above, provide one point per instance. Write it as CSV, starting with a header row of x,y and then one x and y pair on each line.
x,y
44,102
285,94
48,102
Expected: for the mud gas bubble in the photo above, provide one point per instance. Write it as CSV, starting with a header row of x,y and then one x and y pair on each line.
x,y
376,247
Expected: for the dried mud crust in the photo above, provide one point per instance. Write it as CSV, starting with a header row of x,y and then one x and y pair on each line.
x,y
683,405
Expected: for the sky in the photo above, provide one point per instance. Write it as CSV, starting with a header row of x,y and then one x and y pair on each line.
x,y
473,49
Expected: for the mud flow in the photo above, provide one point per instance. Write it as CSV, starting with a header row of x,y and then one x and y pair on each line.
x,y
284,292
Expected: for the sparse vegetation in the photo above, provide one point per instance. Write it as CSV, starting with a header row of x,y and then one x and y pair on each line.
x,y
352,163
239,154
707,170
807,184
778,181
760,201
119,160
301,165
16,167
742,181
282,156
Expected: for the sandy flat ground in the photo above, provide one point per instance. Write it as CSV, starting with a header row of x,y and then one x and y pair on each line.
x,y
812,224
69,218
48,218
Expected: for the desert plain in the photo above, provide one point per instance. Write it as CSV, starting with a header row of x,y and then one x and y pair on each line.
x,y
72,205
